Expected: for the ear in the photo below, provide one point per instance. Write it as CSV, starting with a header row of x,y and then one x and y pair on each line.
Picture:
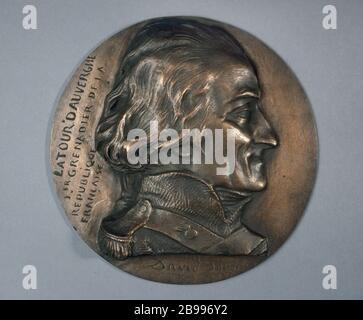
x,y
186,101
189,101
193,107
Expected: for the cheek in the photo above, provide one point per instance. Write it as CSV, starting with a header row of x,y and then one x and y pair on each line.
x,y
242,136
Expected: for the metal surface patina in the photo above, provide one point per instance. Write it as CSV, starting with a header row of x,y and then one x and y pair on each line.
x,y
183,150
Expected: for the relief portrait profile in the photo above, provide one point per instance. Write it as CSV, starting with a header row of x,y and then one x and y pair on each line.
x,y
184,74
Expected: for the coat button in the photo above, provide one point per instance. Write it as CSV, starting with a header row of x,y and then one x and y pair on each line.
x,y
188,232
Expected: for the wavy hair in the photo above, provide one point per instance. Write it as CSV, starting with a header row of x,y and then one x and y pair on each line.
x,y
164,76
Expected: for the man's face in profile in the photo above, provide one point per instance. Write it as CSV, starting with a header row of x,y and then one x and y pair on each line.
x,y
234,99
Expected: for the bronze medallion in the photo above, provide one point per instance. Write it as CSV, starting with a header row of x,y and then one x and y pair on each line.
x,y
183,150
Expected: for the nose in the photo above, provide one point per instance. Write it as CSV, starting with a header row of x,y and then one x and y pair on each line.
x,y
263,133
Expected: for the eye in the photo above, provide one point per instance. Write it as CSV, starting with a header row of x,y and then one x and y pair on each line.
x,y
240,115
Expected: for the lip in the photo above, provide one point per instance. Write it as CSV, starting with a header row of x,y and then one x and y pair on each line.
x,y
255,164
253,159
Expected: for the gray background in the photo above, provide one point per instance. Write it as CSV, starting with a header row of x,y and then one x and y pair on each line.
x,y
35,66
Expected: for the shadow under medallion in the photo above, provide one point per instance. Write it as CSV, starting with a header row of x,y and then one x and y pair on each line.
x,y
163,210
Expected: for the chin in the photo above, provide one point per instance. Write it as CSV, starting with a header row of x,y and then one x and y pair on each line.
x,y
254,184
256,180
258,185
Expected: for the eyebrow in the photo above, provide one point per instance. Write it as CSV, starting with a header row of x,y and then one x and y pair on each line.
x,y
248,93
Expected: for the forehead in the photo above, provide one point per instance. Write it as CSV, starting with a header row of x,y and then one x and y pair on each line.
x,y
234,78
238,75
